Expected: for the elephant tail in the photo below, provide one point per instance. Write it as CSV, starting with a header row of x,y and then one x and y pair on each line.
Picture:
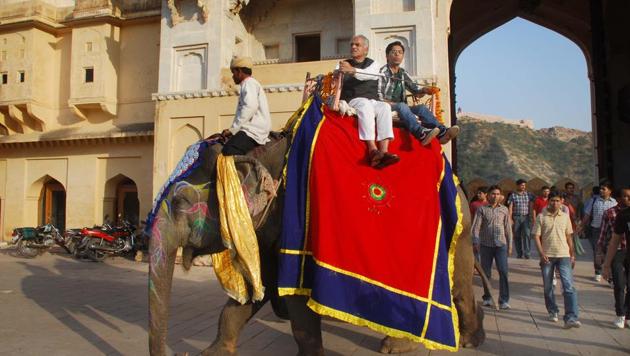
x,y
484,280
161,265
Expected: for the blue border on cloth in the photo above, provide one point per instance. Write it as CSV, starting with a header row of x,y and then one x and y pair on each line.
x,y
294,213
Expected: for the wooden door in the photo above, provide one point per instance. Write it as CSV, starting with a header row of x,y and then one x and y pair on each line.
x,y
127,203
54,205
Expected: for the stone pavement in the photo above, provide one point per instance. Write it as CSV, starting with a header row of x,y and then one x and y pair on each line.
x,y
56,305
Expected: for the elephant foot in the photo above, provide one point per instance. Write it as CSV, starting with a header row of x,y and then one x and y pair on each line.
x,y
219,350
395,345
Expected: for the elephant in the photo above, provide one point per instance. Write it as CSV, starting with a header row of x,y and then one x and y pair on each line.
x,y
187,218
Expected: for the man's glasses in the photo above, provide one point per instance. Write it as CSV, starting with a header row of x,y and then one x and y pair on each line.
x,y
395,51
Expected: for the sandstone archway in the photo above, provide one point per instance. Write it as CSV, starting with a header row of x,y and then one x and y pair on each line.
x,y
598,28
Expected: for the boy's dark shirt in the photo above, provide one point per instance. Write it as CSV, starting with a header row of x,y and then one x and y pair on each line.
x,y
622,225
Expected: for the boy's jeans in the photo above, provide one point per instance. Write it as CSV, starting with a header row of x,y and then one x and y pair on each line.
x,y
568,291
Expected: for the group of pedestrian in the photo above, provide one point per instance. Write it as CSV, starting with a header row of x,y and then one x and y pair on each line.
x,y
553,220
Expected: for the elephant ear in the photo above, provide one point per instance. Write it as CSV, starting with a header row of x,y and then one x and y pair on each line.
x,y
259,188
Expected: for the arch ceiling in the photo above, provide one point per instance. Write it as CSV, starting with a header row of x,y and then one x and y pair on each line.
x,y
470,20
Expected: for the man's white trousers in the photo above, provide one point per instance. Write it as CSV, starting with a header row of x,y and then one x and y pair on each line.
x,y
375,119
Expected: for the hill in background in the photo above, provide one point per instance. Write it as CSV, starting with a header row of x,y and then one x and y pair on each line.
x,y
495,150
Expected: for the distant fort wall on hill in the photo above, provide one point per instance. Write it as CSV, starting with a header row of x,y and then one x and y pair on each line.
x,y
495,118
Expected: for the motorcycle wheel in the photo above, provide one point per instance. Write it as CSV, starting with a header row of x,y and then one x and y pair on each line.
x,y
95,255
25,251
69,245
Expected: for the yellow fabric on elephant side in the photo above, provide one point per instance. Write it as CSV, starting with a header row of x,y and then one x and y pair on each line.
x,y
241,261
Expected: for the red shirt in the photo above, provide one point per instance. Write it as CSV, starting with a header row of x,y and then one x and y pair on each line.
x,y
539,204
476,204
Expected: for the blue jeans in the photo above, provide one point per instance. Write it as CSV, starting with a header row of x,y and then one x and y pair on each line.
x,y
522,240
499,255
408,115
563,264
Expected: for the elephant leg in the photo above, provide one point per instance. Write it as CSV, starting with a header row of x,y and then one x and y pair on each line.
x,y
306,326
471,329
233,318
397,345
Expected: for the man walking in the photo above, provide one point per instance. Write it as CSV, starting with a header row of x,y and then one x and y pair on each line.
x,y
541,201
572,198
391,89
618,267
592,221
492,238
553,235
521,204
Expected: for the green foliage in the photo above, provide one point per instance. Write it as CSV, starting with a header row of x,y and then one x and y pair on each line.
x,y
493,151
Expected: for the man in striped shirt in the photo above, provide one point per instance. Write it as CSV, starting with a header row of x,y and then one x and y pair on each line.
x,y
553,234
521,206
492,238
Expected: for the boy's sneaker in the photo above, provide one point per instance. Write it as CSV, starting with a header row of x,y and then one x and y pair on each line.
x,y
487,303
427,135
572,324
619,322
450,134
504,306
553,317
598,278
554,281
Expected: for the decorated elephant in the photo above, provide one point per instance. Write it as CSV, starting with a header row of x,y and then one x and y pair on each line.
x,y
186,215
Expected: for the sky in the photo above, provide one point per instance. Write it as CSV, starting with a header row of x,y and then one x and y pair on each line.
x,y
524,71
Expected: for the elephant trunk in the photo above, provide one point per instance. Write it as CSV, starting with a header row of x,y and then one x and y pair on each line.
x,y
161,266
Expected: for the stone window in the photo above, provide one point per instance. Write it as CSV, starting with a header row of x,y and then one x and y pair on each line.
x,y
21,76
190,68
5,77
307,47
88,46
89,75
272,51
4,41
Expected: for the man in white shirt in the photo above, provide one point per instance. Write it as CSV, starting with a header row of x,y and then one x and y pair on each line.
x,y
252,121
360,90
592,221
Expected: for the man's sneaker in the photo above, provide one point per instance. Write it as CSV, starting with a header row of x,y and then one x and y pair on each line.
x,y
553,317
554,281
427,135
487,303
619,322
504,306
450,134
572,324
598,278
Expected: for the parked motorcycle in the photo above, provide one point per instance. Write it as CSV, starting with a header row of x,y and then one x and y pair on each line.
x,y
100,241
33,241
73,239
